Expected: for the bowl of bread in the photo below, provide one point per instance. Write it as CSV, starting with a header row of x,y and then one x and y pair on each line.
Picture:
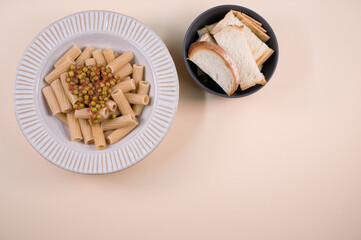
x,y
230,51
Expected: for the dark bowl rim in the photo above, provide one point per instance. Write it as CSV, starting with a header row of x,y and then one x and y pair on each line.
x,y
195,78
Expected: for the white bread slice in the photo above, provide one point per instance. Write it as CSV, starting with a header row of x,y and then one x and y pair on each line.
x,y
262,54
214,61
259,49
229,19
207,28
206,37
232,39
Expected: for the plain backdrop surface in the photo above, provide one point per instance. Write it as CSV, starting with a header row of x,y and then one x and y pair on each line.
x,y
284,163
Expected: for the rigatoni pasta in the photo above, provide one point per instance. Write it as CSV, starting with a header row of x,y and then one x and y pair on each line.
x,y
99,57
120,61
63,67
122,102
143,88
98,135
72,54
109,55
63,101
86,54
134,98
125,86
119,133
72,97
125,71
51,100
138,72
118,122
74,127
86,131
92,98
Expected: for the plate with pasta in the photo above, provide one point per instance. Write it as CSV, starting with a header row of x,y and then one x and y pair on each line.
x,y
96,92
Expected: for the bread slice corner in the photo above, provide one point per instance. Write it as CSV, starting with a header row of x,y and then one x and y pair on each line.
x,y
214,61
232,39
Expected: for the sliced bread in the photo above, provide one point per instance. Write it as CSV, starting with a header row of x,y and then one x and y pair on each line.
x,y
232,39
259,49
206,37
214,61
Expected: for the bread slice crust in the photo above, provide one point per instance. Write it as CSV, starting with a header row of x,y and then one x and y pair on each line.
x,y
197,46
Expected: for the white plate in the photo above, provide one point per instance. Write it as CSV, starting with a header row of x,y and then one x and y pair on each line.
x,y
99,29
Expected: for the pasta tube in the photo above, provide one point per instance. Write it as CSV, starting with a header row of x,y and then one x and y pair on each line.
x,y
86,131
51,100
62,117
125,86
111,105
109,55
104,112
63,101
138,72
134,98
125,71
74,127
90,62
99,57
143,89
118,122
72,54
83,113
87,53
98,136
121,61
72,98
121,101
119,133
61,68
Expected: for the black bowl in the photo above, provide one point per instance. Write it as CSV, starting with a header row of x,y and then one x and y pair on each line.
x,y
216,14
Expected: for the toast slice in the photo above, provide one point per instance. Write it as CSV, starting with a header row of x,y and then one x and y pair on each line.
x,y
214,61
258,30
259,49
207,28
232,39
206,37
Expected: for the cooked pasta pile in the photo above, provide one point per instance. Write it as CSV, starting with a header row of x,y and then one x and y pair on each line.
x,y
92,92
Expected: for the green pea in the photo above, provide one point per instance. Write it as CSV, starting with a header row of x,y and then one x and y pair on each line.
x,y
82,105
112,83
99,117
95,121
93,103
72,67
75,106
116,75
67,80
113,116
80,99
80,94
106,99
75,92
108,70
100,98
84,91
99,90
71,74
82,81
102,105
98,106
104,93
107,84
95,98
80,76
86,97
90,92
109,90
94,109
109,75
85,69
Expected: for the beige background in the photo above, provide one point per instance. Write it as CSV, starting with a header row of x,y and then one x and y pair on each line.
x,y
284,163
